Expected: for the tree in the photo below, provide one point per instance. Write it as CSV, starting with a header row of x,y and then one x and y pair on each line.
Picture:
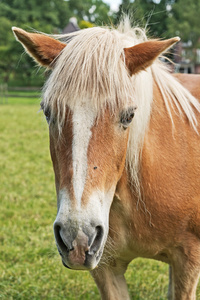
x,y
184,21
6,39
150,14
47,16
94,11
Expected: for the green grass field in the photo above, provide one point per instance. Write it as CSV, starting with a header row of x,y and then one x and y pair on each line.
x,y
30,267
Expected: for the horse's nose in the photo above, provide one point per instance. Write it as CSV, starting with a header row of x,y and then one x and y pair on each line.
x,y
62,239
77,255
75,247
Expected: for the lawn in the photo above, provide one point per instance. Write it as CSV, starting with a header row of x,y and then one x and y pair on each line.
x,y
30,267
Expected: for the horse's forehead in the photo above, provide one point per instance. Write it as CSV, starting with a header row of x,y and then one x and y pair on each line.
x,y
84,116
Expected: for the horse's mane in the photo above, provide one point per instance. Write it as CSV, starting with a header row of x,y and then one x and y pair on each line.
x,y
92,67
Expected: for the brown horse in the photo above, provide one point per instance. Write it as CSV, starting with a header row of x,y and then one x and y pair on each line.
x,y
126,154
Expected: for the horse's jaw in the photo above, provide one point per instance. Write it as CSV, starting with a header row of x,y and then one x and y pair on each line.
x,y
81,232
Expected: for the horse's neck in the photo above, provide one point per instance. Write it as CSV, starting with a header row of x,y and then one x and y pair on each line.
x,y
190,82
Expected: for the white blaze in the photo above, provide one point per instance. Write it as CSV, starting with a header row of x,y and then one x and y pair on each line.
x,y
83,120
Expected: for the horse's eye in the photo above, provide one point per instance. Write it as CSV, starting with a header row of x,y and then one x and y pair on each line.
x,y
127,116
46,112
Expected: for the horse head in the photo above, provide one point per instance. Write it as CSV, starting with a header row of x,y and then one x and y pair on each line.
x,y
88,138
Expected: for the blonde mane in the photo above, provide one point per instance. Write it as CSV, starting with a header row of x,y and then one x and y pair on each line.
x,y
92,67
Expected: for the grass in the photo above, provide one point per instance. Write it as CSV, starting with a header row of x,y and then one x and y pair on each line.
x,y
30,267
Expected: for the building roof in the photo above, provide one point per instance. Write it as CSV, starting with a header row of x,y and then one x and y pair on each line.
x,y
72,26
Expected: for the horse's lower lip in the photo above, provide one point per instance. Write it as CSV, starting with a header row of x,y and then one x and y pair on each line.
x,y
65,265
89,264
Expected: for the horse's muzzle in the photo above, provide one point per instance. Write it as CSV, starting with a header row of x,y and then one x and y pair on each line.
x,y
80,249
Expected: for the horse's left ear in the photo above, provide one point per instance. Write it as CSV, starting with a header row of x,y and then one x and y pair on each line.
x,y
42,48
141,56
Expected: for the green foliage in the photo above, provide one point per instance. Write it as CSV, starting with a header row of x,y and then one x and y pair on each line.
x,y
146,13
41,15
94,11
6,34
45,16
85,24
184,20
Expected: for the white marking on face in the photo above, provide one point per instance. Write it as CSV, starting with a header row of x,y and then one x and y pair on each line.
x,y
98,206
63,204
83,120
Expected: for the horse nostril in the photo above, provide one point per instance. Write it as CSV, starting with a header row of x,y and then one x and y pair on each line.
x,y
60,240
96,242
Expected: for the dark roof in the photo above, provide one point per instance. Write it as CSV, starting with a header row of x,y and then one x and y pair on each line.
x,y
71,27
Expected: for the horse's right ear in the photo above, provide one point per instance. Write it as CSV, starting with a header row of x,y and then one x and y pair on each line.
x,y
141,56
42,48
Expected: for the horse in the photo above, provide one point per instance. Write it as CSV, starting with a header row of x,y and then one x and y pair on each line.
x,y
124,142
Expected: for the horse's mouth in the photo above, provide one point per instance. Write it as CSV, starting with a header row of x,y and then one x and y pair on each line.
x,y
90,263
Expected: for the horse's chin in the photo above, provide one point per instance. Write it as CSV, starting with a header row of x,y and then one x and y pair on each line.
x,y
91,262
